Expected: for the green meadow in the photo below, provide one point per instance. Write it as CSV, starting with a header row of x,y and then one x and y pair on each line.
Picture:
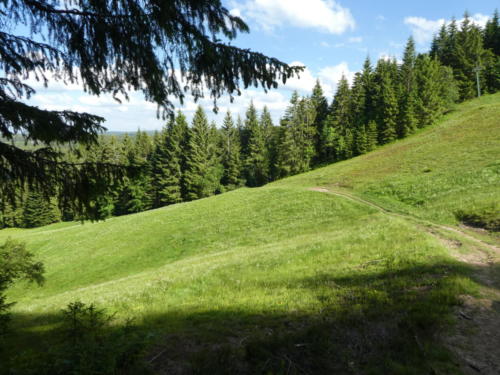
x,y
287,279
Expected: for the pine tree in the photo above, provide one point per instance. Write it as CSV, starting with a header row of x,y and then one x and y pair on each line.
x,y
230,155
256,162
201,176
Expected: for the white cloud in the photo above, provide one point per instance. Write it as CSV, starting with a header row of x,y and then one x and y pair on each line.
x,y
331,75
423,29
138,113
324,15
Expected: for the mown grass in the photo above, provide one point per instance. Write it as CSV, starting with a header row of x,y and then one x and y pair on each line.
x,y
280,279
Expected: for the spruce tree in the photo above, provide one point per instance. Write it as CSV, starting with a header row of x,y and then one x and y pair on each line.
x,y
38,211
134,194
287,153
106,150
470,56
230,154
296,145
371,136
358,110
256,162
201,176
429,101
408,92
320,104
387,104
167,162
341,118
329,140
367,79
492,34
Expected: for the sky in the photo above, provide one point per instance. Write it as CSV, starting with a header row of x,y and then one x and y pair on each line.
x,y
330,38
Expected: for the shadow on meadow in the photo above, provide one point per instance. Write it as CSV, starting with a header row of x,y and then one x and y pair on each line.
x,y
370,322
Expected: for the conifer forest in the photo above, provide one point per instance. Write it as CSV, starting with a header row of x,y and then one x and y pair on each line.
x,y
387,100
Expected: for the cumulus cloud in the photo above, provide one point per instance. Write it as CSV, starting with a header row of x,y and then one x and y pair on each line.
x,y
424,29
138,113
329,77
324,15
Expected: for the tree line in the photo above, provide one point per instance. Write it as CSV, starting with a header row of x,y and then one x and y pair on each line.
x,y
386,101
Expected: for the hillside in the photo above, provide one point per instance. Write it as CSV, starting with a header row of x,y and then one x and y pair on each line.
x,y
350,268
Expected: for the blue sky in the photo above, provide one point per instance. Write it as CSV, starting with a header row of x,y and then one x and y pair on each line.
x,y
329,37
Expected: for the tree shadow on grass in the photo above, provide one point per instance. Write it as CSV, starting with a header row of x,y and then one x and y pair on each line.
x,y
373,321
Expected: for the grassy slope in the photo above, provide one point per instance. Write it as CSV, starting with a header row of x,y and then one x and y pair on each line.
x,y
302,265
454,165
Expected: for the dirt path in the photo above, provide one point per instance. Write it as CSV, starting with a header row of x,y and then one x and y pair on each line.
x,y
476,337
